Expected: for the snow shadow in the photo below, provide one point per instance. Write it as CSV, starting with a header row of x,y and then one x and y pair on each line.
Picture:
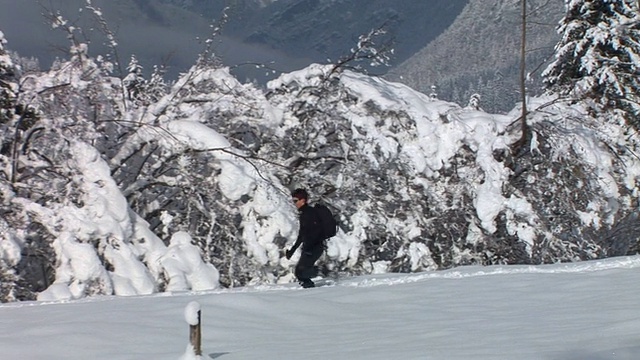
x,y
217,355
626,353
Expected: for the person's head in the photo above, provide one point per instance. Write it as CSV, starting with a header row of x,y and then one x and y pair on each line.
x,y
300,197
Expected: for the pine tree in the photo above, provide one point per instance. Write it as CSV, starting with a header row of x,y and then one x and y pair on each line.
x,y
474,102
598,57
6,73
134,82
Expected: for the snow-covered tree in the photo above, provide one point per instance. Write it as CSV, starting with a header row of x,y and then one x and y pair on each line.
x,y
434,92
65,211
10,256
156,86
597,60
191,165
474,102
193,175
6,88
134,83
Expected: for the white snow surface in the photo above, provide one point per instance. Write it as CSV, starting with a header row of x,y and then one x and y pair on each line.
x,y
572,311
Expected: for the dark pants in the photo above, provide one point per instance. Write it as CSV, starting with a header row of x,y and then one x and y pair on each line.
x,y
305,270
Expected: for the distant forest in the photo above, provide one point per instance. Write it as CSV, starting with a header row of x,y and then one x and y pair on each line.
x,y
480,53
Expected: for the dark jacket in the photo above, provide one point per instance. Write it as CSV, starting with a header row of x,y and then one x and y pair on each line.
x,y
310,234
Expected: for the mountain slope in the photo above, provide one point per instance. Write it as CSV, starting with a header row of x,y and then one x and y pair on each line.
x,y
329,29
480,53
157,34
284,34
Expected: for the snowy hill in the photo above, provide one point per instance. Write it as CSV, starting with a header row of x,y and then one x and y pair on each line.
x,y
562,311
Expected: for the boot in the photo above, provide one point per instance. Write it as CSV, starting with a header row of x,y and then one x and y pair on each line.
x,y
307,283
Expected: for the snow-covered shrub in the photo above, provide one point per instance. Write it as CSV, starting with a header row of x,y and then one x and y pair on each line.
x,y
194,156
405,170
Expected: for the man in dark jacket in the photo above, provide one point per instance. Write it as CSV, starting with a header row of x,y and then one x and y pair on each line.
x,y
310,237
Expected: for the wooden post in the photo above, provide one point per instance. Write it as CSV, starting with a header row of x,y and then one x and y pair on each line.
x,y
195,336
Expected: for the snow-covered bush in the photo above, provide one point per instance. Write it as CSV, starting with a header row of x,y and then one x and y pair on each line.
x,y
406,170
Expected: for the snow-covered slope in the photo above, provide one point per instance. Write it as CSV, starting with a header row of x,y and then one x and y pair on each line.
x,y
562,311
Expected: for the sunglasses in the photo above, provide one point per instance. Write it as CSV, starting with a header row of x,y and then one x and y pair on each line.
x,y
295,200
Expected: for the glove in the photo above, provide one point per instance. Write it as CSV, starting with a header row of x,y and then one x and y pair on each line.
x,y
289,253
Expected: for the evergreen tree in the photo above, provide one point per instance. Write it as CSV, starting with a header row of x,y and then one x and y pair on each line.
x,y
21,271
156,86
134,82
474,102
598,57
7,112
6,73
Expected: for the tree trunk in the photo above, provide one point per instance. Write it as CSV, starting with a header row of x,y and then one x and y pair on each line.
x,y
525,139
523,75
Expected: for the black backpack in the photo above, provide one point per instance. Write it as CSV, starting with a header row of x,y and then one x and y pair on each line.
x,y
327,221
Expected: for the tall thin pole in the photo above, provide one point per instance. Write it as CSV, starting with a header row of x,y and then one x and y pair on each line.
x,y
523,88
